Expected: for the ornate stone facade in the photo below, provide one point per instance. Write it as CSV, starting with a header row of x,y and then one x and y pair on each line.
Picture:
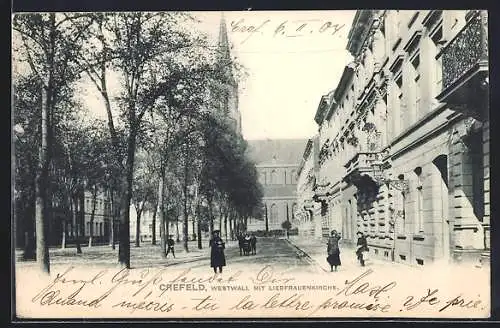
x,y
404,138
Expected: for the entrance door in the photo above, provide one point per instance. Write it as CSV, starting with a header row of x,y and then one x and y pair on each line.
x,y
441,163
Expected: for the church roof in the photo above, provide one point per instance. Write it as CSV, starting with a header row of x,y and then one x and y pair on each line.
x,y
276,151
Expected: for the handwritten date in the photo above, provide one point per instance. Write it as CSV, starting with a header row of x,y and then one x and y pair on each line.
x,y
296,28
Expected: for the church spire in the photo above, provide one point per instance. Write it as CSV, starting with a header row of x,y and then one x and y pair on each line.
x,y
224,51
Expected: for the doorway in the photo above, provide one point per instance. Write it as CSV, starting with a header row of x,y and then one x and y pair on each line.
x,y
441,163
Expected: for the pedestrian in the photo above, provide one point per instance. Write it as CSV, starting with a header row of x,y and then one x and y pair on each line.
x,y
362,247
253,243
170,246
240,242
246,244
217,257
333,250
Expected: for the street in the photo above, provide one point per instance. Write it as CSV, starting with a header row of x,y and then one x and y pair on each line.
x,y
270,251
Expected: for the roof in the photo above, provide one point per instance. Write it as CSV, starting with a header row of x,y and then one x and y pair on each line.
x,y
276,151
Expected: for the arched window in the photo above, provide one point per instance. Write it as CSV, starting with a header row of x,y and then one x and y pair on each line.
x,y
274,177
274,213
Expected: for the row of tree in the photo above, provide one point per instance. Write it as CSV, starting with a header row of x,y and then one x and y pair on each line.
x,y
166,144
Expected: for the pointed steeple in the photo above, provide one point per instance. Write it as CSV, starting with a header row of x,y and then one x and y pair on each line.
x,y
229,103
224,47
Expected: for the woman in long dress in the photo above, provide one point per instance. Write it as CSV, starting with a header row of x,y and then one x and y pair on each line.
x,y
333,250
217,257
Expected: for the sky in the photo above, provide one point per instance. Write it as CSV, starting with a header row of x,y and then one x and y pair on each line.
x,y
291,58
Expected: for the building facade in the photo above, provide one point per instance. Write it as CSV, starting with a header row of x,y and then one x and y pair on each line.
x,y
309,224
404,143
93,217
277,162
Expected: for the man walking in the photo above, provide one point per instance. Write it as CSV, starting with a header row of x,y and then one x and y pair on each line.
x,y
170,245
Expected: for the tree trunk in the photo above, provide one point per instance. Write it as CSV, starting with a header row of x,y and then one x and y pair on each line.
x,y
167,227
198,220
42,183
177,229
29,244
225,223
161,212
153,227
138,227
124,242
80,218
267,221
220,219
194,227
231,229
112,221
63,237
74,219
163,239
111,216
92,215
211,219
185,236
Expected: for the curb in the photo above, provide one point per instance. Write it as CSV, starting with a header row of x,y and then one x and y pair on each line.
x,y
307,257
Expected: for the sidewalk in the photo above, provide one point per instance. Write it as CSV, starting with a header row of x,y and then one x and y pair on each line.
x,y
315,250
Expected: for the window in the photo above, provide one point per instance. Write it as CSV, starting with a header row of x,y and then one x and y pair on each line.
x,y
416,65
274,213
274,177
293,177
399,102
438,66
286,182
87,232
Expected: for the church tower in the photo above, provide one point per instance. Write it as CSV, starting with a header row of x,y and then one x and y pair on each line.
x,y
229,101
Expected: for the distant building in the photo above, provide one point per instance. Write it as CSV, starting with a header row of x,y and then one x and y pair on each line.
x,y
277,162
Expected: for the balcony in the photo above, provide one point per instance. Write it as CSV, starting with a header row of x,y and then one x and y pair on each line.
x,y
359,169
465,68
